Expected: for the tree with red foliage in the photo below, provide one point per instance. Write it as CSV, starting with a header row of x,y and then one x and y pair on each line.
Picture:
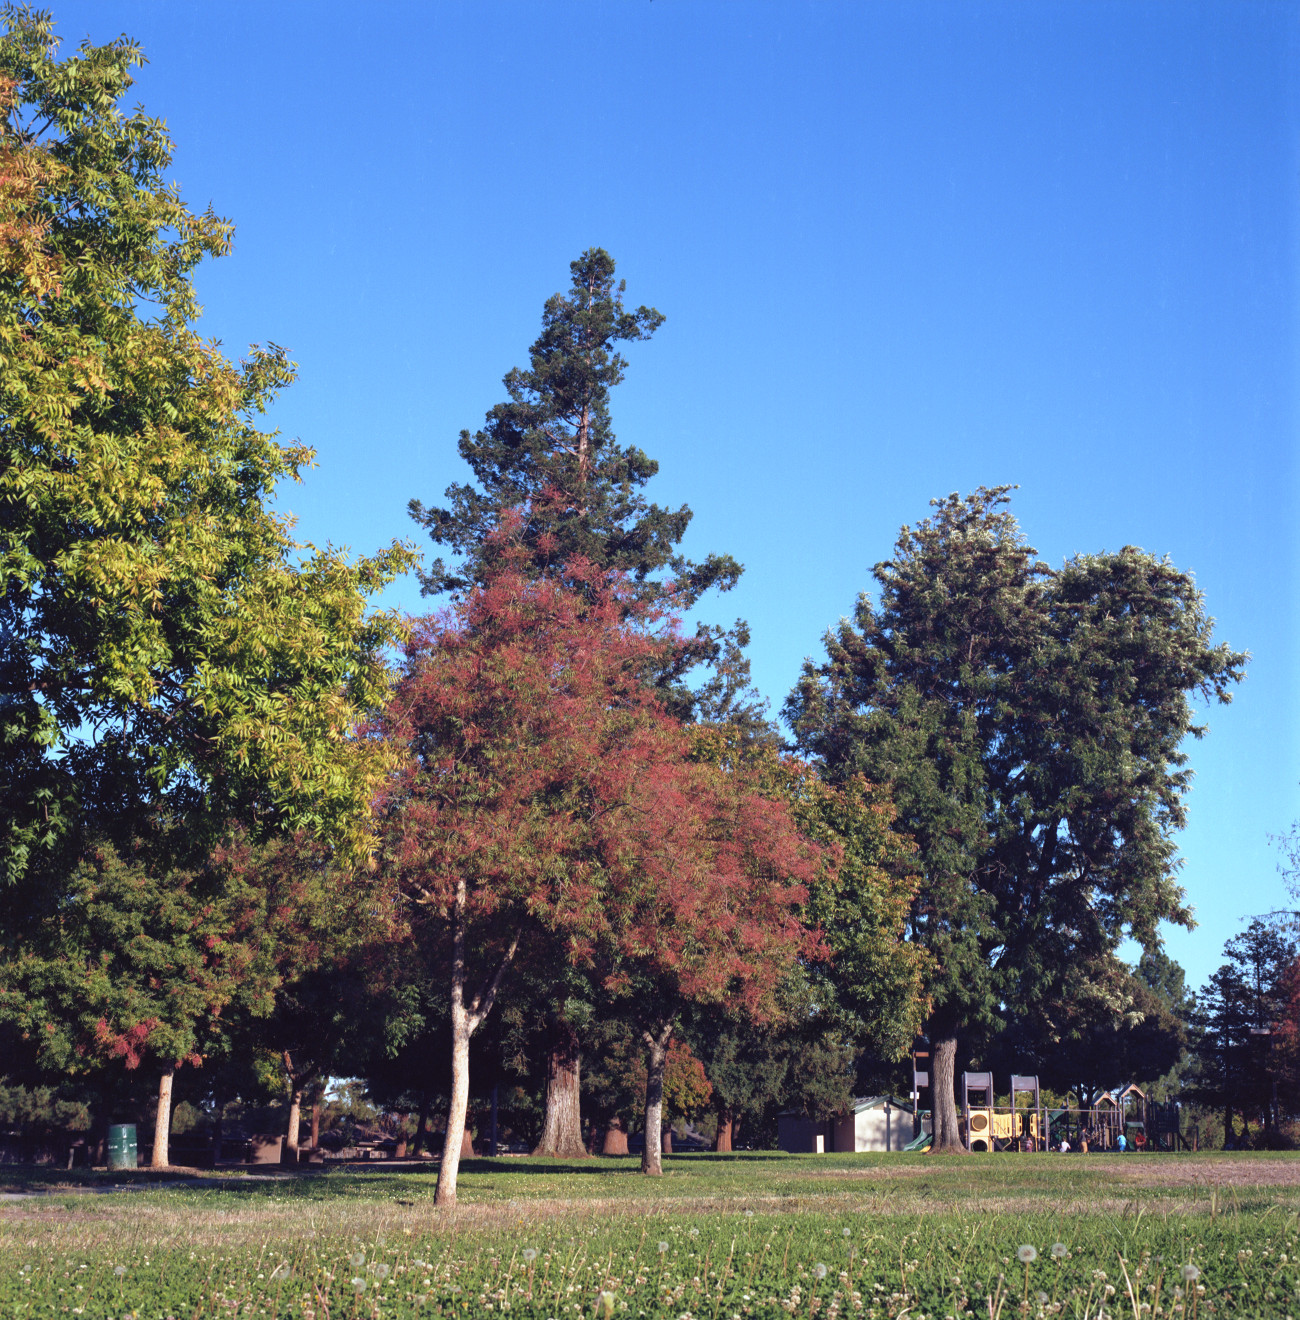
x,y
547,793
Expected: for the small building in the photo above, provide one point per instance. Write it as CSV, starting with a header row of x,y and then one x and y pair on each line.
x,y
879,1122
801,1135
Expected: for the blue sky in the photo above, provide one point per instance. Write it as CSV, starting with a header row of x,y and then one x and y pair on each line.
x,y
903,249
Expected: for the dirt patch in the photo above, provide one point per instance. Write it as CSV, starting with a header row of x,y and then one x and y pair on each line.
x,y
1193,1171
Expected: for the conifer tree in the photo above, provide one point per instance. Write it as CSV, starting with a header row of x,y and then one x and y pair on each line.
x,y
549,455
550,450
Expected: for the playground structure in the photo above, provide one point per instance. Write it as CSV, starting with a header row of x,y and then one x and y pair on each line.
x,y
1146,1124
1025,1123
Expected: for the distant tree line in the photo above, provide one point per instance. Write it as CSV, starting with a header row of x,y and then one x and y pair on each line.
x,y
555,852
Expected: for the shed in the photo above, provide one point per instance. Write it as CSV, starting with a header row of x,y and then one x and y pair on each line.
x,y
801,1135
879,1122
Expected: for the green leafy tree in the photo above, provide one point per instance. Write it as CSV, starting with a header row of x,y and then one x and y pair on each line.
x,y
162,635
132,962
330,937
1030,725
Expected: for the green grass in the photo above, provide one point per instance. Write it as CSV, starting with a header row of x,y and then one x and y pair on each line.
x,y
764,1235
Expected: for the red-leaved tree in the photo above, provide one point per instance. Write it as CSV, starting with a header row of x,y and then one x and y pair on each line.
x,y
546,793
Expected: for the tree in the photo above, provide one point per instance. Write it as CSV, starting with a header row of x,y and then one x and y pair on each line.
x,y
1234,1018
716,918
131,961
546,795
529,735
328,936
162,635
550,450
1029,723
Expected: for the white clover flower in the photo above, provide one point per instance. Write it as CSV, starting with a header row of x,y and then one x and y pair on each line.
x,y
530,1254
819,1270
1190,1273
1059,1251
1027,1254
357,1260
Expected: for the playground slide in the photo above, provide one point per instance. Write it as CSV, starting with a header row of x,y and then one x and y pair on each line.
x,y
920,1143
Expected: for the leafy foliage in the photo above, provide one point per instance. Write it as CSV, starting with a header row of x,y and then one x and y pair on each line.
x,y
130,961
161,632
1030,723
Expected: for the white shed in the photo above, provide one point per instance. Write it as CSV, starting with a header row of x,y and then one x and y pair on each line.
x,y
880,1122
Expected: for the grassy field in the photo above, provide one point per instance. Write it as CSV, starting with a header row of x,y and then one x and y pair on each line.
x,y
718,1237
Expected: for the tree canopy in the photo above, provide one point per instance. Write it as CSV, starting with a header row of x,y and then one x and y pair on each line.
x,y
162,635
1031,723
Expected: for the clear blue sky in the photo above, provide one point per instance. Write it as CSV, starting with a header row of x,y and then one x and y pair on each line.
x,y
903,249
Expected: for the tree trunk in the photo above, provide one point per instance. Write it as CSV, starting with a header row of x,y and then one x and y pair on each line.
x,y
656,1061
562,1127
454,1138
162,1124
615,1138
943,1122
668,1141
464,1021
315,1125
422,1126
295,1122
722,1142
217,1132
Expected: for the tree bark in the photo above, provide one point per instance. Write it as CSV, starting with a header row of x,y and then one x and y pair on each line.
x,y
943,1122
465,1019
562,1127
290,1155
315,1125
162,1124
299,1078
454,1138
615,1138
656,1061
722,1142
422,1126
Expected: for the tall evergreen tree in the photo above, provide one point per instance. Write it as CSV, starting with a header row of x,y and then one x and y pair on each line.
x,y
1030,723
1234,1017
550,450
549,454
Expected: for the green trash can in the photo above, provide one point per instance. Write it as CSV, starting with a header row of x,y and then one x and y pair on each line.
x,y
121,1146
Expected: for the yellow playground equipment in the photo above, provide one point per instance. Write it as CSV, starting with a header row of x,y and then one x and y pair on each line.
x,y
989,1126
